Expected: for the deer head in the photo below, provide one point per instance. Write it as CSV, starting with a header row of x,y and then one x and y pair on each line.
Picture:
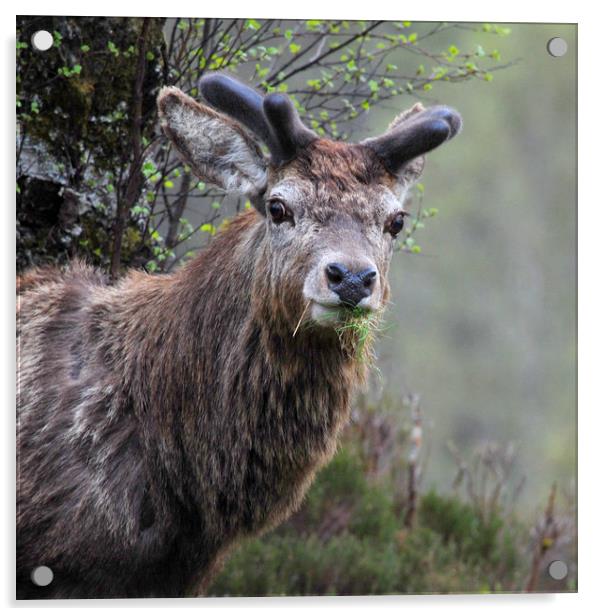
x,y
330,210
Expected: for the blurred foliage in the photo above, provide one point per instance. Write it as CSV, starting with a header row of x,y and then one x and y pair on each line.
x,y
97,179
74,121
483,321
352,537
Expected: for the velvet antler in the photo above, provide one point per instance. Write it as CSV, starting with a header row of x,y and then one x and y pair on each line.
x,y
272,118
415,133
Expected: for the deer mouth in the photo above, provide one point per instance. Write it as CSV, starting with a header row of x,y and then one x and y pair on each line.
x,y
334,313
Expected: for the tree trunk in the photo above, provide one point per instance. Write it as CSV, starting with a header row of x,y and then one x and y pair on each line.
x,y
135,179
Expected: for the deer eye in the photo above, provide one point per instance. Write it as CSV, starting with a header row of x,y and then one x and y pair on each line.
x,y
395,223
278,211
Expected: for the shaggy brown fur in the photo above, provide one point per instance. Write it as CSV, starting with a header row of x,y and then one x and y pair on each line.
x,y
164,418
149,443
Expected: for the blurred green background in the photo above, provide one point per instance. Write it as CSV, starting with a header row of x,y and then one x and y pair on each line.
x,y
483,322
458,470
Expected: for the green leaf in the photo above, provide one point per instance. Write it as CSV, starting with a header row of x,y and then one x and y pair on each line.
x,y
140,210
113,48
252,24
313,24
453,51
294,48
85,48
208,228
261,71
148,168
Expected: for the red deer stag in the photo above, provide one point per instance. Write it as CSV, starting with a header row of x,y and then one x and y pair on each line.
x,y
163,418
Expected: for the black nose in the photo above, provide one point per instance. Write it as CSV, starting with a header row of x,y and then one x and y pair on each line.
x,y
351,287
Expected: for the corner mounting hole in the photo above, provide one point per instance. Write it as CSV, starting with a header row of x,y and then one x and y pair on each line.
x,y
42,40
42,576
558,570
557,47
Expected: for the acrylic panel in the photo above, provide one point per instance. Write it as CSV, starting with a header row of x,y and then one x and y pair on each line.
x,y
296,307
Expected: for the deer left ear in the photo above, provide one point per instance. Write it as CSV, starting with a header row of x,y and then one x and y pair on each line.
x,y
218,149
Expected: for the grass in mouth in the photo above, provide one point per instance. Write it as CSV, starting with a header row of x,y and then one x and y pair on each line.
x,y
355,327
357,332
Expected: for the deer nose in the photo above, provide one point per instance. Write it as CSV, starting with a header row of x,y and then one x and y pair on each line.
x,y
351,287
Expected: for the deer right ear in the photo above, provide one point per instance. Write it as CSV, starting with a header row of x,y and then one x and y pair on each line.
x,y
218,149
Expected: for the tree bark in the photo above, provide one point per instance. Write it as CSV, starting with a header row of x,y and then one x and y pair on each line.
x,y
135,179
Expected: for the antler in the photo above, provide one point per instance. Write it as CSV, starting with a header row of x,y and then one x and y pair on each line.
x,y
415,133
272,118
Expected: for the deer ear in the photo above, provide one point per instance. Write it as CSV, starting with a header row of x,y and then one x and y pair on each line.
x,y
218,149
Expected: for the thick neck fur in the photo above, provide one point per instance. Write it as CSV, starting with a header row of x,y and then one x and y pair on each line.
x,y
239,406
